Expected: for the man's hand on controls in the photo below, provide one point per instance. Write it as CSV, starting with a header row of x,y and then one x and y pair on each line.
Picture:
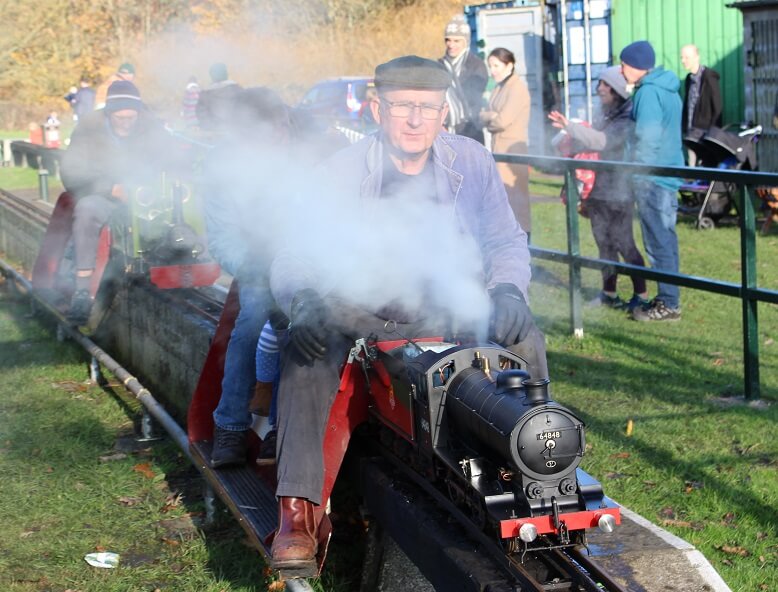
x,y
511,317
307,327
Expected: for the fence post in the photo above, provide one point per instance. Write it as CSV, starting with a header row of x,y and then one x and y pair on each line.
x,y
574,251
748,281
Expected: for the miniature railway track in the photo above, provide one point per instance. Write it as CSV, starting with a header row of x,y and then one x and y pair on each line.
x,y
569,569
24,208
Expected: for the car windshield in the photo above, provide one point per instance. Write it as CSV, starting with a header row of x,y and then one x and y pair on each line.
x,y
321,93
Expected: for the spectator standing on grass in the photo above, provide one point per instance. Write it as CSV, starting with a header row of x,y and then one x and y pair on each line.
x,y
469,78
702,103
656,110
610,205
507,118
125,72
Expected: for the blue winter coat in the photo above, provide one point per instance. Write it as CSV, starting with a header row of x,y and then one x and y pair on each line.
x,y
657,113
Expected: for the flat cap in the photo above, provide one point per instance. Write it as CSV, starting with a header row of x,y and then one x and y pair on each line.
x,y
412,72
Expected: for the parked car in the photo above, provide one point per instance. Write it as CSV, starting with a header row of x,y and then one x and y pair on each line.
x,y
340,101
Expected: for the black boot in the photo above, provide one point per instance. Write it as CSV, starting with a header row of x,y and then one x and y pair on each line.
x,y
229,448
80,307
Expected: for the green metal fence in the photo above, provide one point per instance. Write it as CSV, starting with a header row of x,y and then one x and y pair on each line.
x,y
747,290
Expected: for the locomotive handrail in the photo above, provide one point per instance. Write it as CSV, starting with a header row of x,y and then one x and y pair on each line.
x,y
747,290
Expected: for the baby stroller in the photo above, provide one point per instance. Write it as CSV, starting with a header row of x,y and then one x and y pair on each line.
x,y
717,148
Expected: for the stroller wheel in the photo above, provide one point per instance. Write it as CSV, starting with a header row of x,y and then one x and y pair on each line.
x,y
705,223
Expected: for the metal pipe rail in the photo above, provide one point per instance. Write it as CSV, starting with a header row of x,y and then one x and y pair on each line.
x,y
747,291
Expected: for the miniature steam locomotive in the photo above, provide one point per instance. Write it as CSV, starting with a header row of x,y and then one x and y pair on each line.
x,y
483,432
159,235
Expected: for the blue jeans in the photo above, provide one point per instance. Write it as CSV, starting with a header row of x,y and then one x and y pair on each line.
x,y
232,412
658,210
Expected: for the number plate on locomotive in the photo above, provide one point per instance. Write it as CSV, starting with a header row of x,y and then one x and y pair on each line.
x,y
549,435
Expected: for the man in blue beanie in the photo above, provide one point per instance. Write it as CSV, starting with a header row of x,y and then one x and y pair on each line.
x,y
657,114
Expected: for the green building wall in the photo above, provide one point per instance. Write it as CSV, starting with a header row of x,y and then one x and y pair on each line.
x,y
670,24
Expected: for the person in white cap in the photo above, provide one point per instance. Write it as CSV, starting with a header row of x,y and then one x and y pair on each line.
x,y
469,78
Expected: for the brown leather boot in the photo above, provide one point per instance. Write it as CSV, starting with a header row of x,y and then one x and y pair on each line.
x,y
295,544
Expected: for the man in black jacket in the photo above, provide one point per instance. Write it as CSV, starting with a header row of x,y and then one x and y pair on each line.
x,y
465,97
702,102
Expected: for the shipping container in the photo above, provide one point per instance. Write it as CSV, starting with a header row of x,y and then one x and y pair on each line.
x,y
760,54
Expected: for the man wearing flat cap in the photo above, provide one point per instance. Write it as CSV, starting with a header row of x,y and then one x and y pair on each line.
x,y
656,109
450,194
112,148
468,81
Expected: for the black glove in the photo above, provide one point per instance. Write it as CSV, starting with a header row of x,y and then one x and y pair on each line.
x,y
307,328
511,317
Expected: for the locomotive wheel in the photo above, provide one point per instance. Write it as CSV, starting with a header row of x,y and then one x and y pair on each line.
x,y
705,223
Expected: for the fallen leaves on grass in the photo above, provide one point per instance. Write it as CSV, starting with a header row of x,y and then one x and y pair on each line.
x,y
769,341
649,484
126,500
728,519
620,455
614,475
696,526
719,362
690,486
71,386
733,550
174,500
145,470
277,586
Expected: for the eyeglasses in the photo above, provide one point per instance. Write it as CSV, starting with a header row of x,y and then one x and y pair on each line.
x,y
405,108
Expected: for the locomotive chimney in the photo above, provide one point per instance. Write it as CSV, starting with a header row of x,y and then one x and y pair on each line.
x,y
537,391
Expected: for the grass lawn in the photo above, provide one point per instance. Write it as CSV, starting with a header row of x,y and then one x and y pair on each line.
x,y
697,463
